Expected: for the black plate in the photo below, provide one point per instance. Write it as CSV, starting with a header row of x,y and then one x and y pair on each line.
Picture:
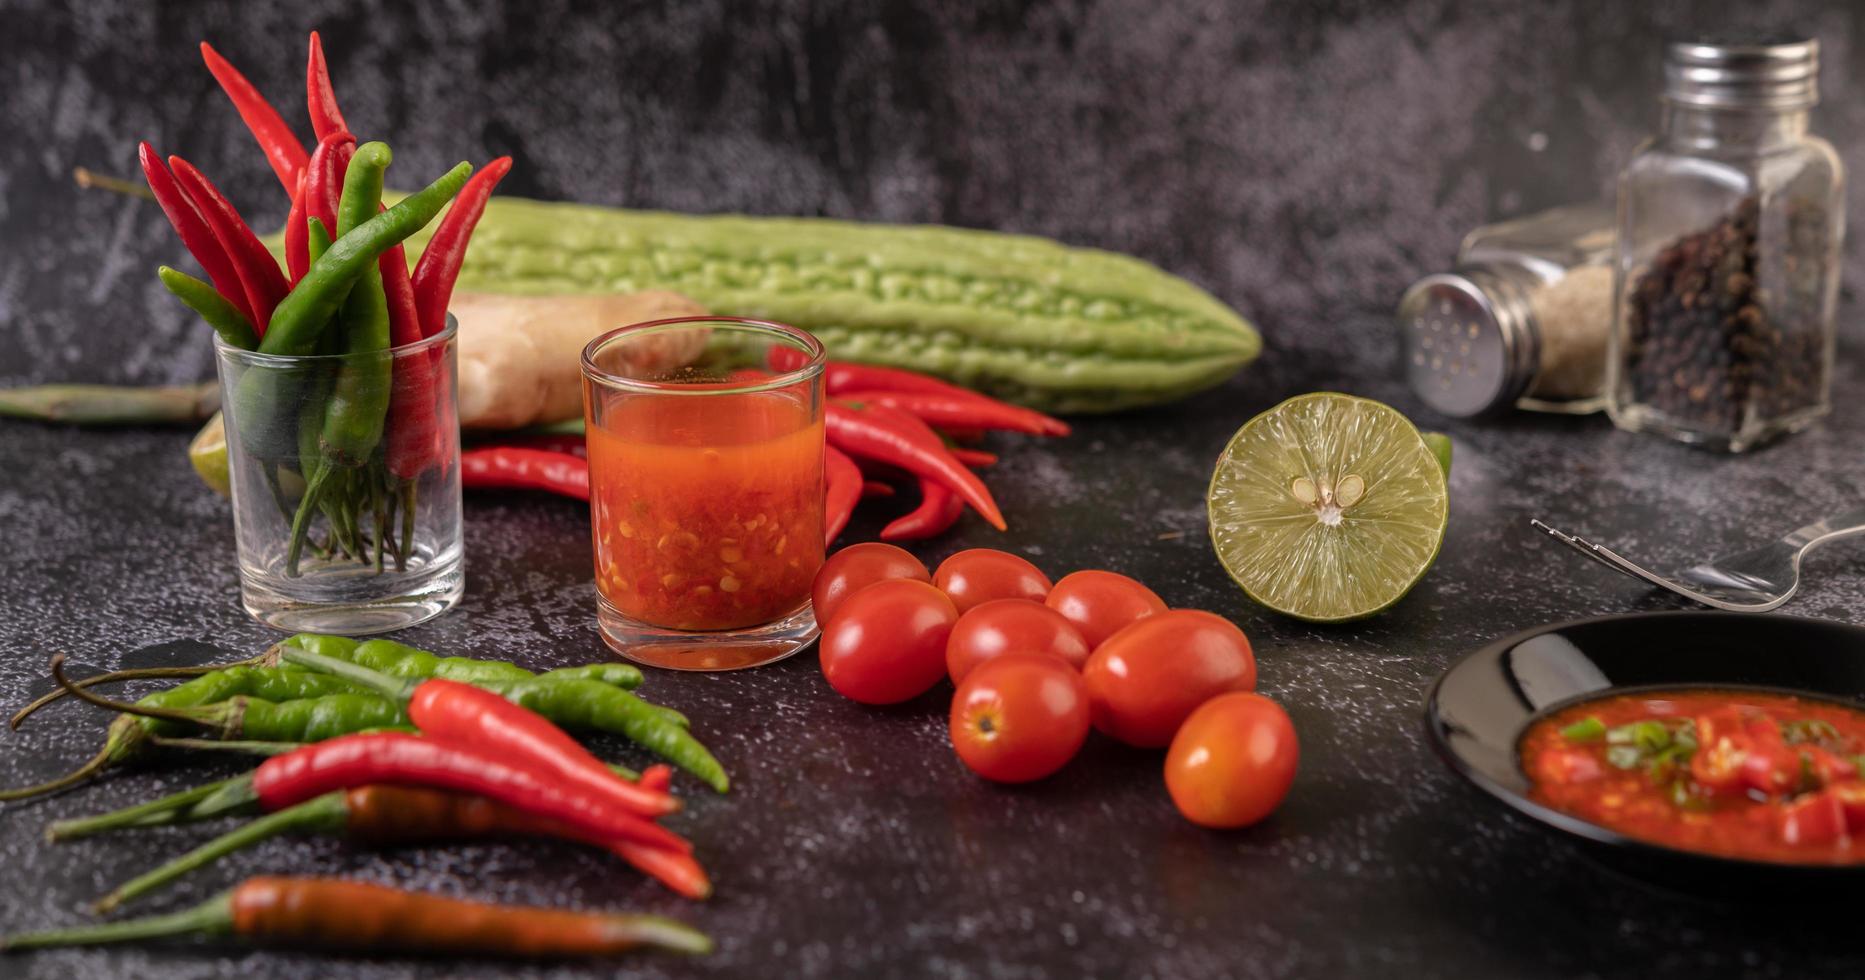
x,y
1478,709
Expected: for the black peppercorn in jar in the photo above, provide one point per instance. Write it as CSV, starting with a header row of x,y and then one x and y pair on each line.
x,y
1730,222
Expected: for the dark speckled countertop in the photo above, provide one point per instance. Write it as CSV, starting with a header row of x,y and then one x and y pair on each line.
x,y
1303,161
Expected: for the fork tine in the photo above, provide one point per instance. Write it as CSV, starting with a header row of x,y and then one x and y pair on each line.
x,y
1586,548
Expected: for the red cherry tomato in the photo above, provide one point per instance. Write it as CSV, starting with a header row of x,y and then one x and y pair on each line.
x,y
855,568
1019,717
1101,603
1148,677
1003,626
981,574
1232,761
887,642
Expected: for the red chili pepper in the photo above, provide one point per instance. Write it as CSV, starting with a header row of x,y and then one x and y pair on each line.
x,y
297,234
892,436
512,468
259,274
195,235
439,267
843,489
467,715
843,378
568,443
968,411
1851,798
400,759
972,457
1723,748
326,118
875,488
282,149
411,401
323,183
657,776
938,510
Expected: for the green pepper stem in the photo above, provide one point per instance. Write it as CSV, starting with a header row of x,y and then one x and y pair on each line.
x,y
393,688
76,776
90,179
301,521
224,716
139,673
214,916
169,809
322,814
247,746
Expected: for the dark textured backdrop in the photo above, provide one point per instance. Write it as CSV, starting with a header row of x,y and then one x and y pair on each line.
x,y
1303,160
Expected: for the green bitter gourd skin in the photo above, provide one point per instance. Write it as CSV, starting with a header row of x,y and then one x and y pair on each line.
x,y
1026,319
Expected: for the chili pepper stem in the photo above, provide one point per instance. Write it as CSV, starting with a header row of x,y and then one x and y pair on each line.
x,y
168,809
212,917
90,179
247,746
393,688
222,717
76,776
380,507
408,489
300,522
139,673
324,814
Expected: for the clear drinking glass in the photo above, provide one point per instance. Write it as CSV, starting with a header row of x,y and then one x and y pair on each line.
x,y
347,518
705,478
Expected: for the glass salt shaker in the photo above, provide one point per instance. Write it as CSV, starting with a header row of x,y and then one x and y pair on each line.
x,y
1521,320
1730,223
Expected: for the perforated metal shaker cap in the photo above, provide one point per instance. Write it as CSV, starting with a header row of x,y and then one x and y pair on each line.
x,y
1469,345
1750,73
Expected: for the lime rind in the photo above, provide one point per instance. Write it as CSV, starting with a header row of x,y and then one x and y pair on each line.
x,y
1306,557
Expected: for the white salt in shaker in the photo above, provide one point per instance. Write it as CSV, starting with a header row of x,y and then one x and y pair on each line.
x,y
1522,320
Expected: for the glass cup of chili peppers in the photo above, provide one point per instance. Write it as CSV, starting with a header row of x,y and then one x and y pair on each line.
x,y
706,490
345,479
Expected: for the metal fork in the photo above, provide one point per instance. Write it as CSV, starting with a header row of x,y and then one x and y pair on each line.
x,y
1753,581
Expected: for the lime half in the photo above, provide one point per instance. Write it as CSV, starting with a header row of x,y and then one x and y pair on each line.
x,y
1328,507
208,454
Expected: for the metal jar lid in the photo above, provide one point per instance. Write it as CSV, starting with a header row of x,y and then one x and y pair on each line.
x,y
1764,74
1469,342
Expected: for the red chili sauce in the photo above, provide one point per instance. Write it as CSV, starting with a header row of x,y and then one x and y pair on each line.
x,y
1766,777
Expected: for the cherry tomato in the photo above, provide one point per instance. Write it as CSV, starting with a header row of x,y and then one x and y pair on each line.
x,y
981,574
1003,626
887,642
1019,717
1101,603
1233,760
1148,677
855,568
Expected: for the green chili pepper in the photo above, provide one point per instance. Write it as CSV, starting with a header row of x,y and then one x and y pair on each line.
x,y
359,401
301,316
407,663
1586,729
594,705
205,300
319,240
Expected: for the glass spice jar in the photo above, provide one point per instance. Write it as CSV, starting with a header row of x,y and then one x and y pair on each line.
x,y
1521,321
1730,223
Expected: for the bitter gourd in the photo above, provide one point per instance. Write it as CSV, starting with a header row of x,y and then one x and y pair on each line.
x,y
1026,319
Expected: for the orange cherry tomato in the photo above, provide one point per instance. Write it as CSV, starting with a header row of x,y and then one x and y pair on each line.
x,y
981,574
1145,680
887,642
855,568
1101,603
1002,626
1019,717
1232,761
